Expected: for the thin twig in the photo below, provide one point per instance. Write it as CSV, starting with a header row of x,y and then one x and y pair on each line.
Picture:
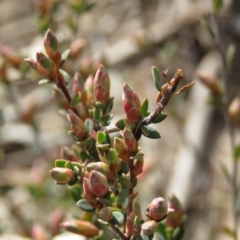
x,y
119,232
165,99
229,125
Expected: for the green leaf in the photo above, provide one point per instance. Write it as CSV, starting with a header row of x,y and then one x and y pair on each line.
x,y
45,81
120,124
144,108
178,233
69,165
117,218
96,114
150,132
146,237
105,119
99,105
157,79
230,53
109,105
237,152
64,57
217,4
85,206
75,192
126,181
84,156
160,117
89,125
161,232
111,156
60,163
101,137
65,76
76,100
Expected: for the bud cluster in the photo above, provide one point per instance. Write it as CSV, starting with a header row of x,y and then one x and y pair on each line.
x,y
102,169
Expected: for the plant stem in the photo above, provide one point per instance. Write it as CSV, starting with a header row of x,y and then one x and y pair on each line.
x,y
165,99
119,232
229,125
62,86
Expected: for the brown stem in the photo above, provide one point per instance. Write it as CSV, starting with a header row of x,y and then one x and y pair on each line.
x,y
229,125
165,99
62,86
119,232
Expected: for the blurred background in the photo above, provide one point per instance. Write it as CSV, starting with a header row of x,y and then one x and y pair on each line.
x,y
193,156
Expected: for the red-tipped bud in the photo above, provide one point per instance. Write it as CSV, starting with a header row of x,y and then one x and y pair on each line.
x,y
130,141
98,183
105,214
101,85
175,218
138,166
100,167
88,194
234,110
157,209
78,86
10,55
131,104
62,175
89,89
121,149
46,67
38,233
210,82
77,126
50,43
84,228
149,227
68,154
76,47
31,63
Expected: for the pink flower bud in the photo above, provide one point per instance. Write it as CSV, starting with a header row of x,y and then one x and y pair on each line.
x,y
98,183
157,209
77,126
88,194
175,218
62,175
130,141
46,67
84,228
101,85
131,104
149,227
50,43
105,214
100,167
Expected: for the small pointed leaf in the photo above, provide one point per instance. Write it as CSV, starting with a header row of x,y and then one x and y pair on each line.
x,y
64,57
144,108
120,124
109,105
157,79
45,81
117,218
60,163
101,137
160,117
150,132
85,206
76,99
